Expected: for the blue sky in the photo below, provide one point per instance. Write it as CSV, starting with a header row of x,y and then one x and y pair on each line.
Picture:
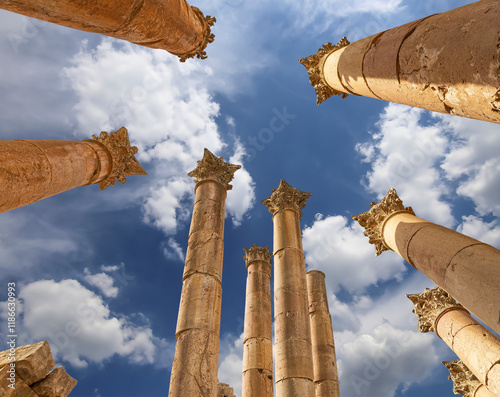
x,y
110,263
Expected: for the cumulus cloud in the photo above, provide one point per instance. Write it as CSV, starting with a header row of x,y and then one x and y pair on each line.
x,y
475,227
338,248
103,282
231,362
170,116
377,363
80,327
406,153
241,197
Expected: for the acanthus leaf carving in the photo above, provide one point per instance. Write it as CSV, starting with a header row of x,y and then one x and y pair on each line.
x,y
373,219
122,155
207,37
256,253
429,305
464,381
314,66
286,196
214,168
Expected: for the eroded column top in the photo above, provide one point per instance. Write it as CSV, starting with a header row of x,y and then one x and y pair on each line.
x,y
314,66
430,304
122,155
256,253
373,219
213,168
286,197
464,381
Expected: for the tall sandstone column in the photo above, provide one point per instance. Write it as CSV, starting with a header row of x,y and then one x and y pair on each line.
x,y
446,63
171,25
464,381
194,371
477,347
326,378
32,170
258,333
467,268
292,343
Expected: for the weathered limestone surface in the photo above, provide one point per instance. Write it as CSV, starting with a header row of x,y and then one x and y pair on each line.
x,y
447,63
32,376
326,379
194,371
56,384
224,390
464,381
257,338
467,268
477,347
33,170
171,25
293,352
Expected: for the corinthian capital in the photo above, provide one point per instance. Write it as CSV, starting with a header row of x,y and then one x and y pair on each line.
x,y
256,253
314,66
373,219
123,157
214,168
464,381
286,197
207,36
430,304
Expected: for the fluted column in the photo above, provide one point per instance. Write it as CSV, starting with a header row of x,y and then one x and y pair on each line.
x,y
467,268
194,371
293,352
464,381
326,378
171,25
477,347
31,170
446,63
258,332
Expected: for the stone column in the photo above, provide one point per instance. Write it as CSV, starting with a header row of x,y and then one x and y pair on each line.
x,y
467,268
464,381
446,63
171,25
258,333
326,378
194,371
33,170
477,347
292,343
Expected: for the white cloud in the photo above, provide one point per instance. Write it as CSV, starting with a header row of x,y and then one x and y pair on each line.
x,y
231,362
377,363
241,198
486,232
80,327
338,248
110,268
405,154
172,250
103,282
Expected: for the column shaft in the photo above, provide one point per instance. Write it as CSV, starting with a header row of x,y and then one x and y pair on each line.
x,y
194,371
326,381
171,25
477,347
257,345
466,268
32,170
446,63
